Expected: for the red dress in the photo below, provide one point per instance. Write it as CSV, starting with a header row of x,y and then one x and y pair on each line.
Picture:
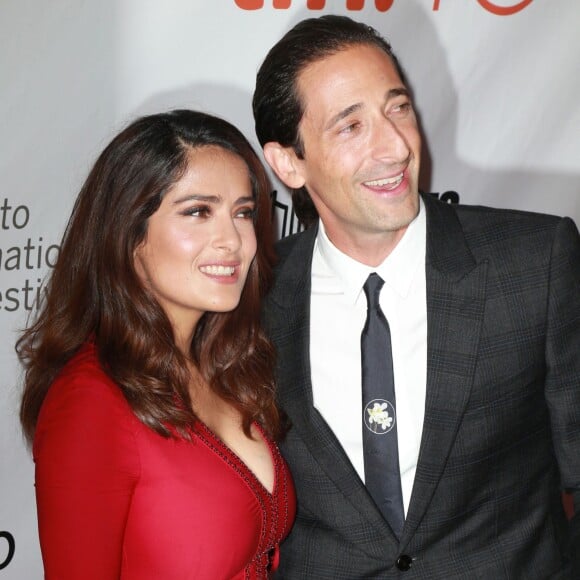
x,y
118,501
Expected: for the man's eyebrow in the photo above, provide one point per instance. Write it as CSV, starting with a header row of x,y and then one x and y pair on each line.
x,y
391,94
341,115
398,92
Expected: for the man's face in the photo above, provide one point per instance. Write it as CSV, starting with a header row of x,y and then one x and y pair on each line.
x,y
361,150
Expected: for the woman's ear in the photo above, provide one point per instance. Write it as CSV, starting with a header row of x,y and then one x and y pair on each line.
x,y
137,258
285,164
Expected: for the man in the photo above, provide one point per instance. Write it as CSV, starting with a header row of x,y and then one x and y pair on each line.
x,y
483,310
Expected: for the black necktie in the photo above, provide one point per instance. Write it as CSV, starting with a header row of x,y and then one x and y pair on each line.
x,y
381,452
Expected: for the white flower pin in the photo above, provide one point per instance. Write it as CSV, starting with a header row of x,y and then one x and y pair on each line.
x,y
379,416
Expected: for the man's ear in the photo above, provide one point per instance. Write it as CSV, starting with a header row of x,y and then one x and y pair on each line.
x,y
285,163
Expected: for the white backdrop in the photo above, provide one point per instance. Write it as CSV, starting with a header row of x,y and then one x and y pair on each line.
x,y
496,84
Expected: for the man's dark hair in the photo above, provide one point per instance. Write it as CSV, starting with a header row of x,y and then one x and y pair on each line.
x,y
277,107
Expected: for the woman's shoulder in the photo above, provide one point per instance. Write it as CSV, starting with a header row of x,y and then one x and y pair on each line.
x,y
83,398
86,431
84,377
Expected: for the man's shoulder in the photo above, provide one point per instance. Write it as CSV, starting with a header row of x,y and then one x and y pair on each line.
x,y
481,214
506,236
487,224
284,245
301,242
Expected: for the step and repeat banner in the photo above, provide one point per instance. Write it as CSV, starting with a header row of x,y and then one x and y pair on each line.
x,y
495,82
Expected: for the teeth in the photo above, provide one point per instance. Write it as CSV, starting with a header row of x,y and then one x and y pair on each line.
x,y
218,270
394,181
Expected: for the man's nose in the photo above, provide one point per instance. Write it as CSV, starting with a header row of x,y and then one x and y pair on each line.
x,y
389,142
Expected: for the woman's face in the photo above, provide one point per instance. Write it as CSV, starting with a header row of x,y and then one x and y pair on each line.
x,y
200,243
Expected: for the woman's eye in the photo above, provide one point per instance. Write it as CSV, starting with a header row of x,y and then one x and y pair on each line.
x,y
246,213
198,211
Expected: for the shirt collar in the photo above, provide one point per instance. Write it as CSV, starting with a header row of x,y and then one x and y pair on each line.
x,y
397,270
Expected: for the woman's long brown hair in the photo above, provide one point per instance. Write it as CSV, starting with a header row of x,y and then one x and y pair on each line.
x,y
94,293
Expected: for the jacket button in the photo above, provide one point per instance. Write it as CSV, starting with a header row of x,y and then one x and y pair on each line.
x,y
404,562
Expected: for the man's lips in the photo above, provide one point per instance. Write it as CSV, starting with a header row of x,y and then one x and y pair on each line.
x,y
386,183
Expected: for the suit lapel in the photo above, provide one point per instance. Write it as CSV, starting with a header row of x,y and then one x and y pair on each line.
x,y
288,321
455,307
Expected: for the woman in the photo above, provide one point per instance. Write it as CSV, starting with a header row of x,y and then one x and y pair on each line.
x,y
149,383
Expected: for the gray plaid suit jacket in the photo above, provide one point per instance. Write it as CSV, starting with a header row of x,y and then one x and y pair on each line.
x,y
501,436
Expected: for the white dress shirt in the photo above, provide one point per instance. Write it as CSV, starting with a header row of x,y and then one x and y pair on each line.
x,y
337,316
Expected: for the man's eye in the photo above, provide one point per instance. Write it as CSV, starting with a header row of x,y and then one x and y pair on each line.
x,y
350,127
402,108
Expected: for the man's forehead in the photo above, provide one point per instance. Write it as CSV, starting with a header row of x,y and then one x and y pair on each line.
x,y
354,50
333,83
341,65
